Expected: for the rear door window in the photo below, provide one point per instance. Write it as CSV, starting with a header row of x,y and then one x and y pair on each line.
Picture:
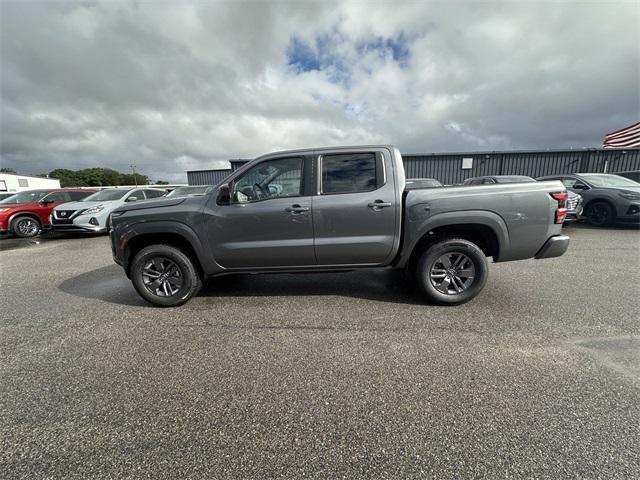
x,y
75,196
57,197
350,173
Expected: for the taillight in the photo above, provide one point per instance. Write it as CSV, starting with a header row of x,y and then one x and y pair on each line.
x,y
561,212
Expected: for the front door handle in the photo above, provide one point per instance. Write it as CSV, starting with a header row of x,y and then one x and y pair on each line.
x,y
379,204
296,209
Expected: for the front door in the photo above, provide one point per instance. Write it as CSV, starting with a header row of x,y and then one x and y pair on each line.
x,y
355,211
269,220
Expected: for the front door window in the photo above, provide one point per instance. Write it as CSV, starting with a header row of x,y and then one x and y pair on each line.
x,y
277,178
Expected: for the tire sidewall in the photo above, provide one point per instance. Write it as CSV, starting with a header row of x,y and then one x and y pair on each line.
x,y
604,205
17,220
191,281
433,253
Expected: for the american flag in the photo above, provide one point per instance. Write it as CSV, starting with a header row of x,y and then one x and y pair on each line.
x,y
627,137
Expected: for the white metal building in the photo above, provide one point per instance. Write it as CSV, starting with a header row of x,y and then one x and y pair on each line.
x,y
10,182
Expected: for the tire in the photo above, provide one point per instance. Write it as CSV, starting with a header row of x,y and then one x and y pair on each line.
x,y
169,263
599,214
454,288
25,226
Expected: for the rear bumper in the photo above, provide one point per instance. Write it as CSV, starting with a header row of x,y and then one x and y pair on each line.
x,y
554,247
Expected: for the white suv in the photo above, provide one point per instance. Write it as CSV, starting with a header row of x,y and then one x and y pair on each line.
x,y
92,213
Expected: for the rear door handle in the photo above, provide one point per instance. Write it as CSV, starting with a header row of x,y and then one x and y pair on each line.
x,y
296,209
378,204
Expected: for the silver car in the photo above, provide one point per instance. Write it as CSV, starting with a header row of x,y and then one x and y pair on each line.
x,y
92,213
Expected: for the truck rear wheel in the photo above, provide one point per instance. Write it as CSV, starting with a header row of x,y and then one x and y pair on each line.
x,y
452,272
164,276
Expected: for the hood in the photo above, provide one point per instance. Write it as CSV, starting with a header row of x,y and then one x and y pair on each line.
x,y
161,202
82,205
13,206
621,189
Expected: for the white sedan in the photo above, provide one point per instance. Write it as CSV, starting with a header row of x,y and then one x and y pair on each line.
x,y
92,213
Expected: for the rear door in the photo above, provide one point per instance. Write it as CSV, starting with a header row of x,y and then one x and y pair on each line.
x,y
355,209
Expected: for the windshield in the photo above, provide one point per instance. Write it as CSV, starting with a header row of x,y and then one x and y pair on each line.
x,y
106,195
184,191
24,197
605,180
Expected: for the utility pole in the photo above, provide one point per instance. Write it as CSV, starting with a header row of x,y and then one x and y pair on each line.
x,y
133,169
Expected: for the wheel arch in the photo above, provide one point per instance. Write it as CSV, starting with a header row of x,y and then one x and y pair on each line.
x,y
485,229
25,214
178,236
601,200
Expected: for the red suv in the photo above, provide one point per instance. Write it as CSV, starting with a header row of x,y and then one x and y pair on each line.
x,y
26,214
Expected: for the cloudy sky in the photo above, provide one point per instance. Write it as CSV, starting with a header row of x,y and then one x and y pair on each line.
x,y
173,86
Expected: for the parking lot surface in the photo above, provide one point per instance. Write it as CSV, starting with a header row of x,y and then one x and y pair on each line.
x,y
324,375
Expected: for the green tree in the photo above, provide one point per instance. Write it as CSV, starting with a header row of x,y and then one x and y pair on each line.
x,y
96,177
7,170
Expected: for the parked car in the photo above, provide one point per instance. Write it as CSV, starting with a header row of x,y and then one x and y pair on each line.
x,y
335,209
574,207
26,214
92,213
414,183
607,198
493,179
632,175
188,191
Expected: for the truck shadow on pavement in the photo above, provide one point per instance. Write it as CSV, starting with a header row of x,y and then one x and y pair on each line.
x,y
109,284
377,285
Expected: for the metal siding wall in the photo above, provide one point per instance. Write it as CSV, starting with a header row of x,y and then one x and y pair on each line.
x,y
448,167
207,177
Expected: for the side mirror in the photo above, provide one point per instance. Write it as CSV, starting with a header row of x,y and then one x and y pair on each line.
x,y
46,202
579,186
132,199
224,194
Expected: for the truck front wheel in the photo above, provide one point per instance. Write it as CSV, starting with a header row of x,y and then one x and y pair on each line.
x,y
164,276
451,272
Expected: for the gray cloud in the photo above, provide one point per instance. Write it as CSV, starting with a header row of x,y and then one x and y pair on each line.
x,y
175,86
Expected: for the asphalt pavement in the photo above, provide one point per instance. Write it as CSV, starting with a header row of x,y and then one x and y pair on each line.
x,y
323,375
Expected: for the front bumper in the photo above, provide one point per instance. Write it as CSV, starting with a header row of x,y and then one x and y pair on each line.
x,y
56,227
80,223
630,214
554,247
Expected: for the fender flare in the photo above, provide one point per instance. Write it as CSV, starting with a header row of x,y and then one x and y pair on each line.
x,y
468,217
25,213
175,228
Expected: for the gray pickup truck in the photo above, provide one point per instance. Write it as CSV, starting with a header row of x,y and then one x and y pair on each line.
x,y
335,209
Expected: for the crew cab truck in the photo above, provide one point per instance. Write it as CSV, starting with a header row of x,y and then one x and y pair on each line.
x,y
335,209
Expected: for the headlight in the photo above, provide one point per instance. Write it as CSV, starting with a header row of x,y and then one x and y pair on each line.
x,y
630,195
92,210
4,209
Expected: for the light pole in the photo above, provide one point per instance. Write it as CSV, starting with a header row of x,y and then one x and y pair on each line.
x,y
133,169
